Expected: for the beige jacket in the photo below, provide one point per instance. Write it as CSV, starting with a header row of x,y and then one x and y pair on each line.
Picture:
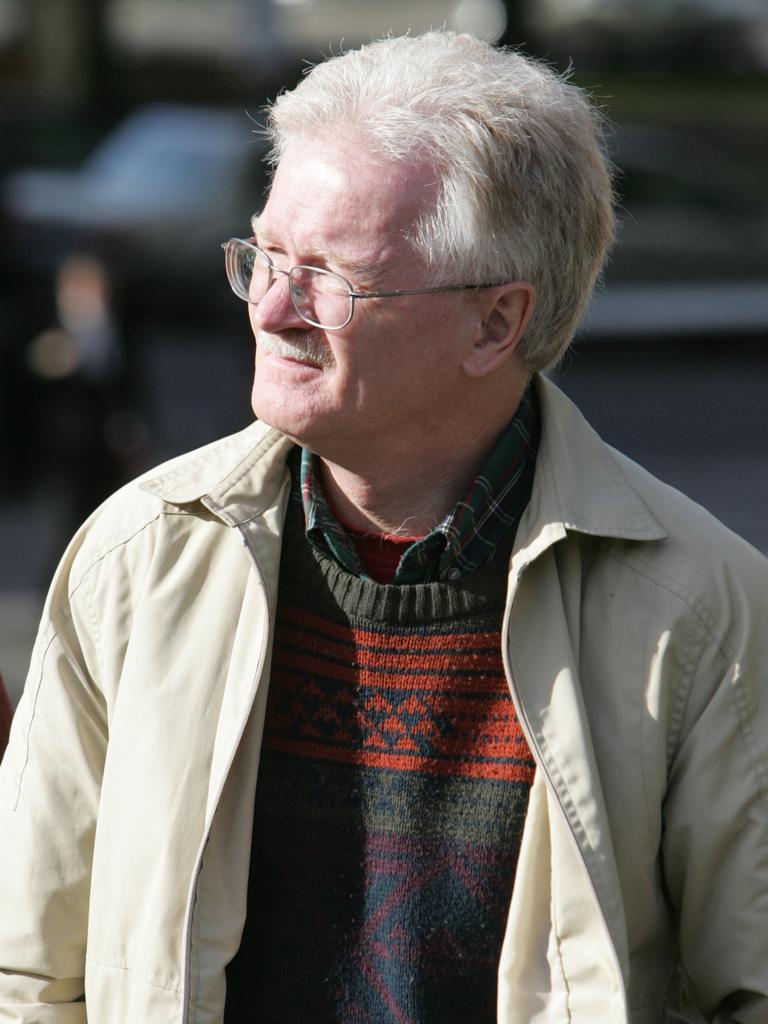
x,y
637,656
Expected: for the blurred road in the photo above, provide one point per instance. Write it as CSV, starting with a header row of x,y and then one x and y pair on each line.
x,y
692,412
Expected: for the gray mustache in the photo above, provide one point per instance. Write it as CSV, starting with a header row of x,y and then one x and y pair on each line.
x,y
303,346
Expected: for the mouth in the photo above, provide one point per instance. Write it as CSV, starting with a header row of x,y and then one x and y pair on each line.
x,y
303,360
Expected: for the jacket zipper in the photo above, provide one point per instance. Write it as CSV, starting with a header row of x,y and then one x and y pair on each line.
x,y
187,975
534,747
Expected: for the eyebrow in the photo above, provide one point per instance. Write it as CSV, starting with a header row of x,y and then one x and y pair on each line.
x,y
325,256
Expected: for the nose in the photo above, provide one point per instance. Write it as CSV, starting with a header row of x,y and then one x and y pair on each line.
x,y
275,311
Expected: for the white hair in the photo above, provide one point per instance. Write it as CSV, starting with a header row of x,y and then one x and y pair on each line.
x,y
525,184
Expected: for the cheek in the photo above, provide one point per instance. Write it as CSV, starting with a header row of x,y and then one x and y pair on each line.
x,y
403,373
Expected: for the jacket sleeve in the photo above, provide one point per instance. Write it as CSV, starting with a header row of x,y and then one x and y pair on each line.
x,y
715,847
49,793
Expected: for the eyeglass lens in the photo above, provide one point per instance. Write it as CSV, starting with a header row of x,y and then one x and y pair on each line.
x,y
319,296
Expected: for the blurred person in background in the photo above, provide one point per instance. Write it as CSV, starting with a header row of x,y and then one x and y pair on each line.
x,y
83,412
414,701
68,411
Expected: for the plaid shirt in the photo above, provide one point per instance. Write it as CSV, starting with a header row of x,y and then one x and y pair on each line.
x,y
470,534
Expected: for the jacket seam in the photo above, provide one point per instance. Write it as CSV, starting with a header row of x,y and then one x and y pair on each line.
x,y
194,961
21,768
643,719
119,541
738,700
591,861
85,584
95,623
689,598
559,946
702,628
741,710
694,652
59,618
608,459
123,540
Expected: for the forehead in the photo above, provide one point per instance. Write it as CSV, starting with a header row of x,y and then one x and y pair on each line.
x,y
339,197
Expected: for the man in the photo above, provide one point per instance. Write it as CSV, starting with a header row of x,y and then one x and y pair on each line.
x,y
414,701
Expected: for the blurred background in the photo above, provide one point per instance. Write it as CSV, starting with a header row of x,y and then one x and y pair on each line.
x,y
130,150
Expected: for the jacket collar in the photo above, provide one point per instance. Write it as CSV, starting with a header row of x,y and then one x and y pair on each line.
x,y
579,484
236,479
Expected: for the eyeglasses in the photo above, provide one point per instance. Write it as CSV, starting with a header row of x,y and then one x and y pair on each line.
x,y
320,297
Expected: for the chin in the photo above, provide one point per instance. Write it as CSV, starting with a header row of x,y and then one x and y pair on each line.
x,y
300,424
269,412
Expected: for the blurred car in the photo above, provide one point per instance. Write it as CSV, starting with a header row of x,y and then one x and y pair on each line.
x,y
691,256
152,201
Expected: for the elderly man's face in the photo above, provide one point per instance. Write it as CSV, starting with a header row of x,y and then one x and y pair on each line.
x,y
395,369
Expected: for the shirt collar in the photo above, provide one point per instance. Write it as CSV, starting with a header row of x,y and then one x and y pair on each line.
x,y
322,527
469,536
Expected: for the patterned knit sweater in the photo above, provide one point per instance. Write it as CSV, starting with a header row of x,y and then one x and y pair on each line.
x,y
390,802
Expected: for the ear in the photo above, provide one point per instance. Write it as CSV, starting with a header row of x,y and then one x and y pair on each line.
x,y
505,318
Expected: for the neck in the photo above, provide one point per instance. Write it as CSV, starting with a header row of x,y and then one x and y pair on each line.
x,y
405,492
409,501
409,481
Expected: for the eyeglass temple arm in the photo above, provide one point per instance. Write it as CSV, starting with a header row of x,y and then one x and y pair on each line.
x,y
419,291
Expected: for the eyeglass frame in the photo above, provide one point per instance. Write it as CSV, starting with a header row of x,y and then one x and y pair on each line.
x,y
353,293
